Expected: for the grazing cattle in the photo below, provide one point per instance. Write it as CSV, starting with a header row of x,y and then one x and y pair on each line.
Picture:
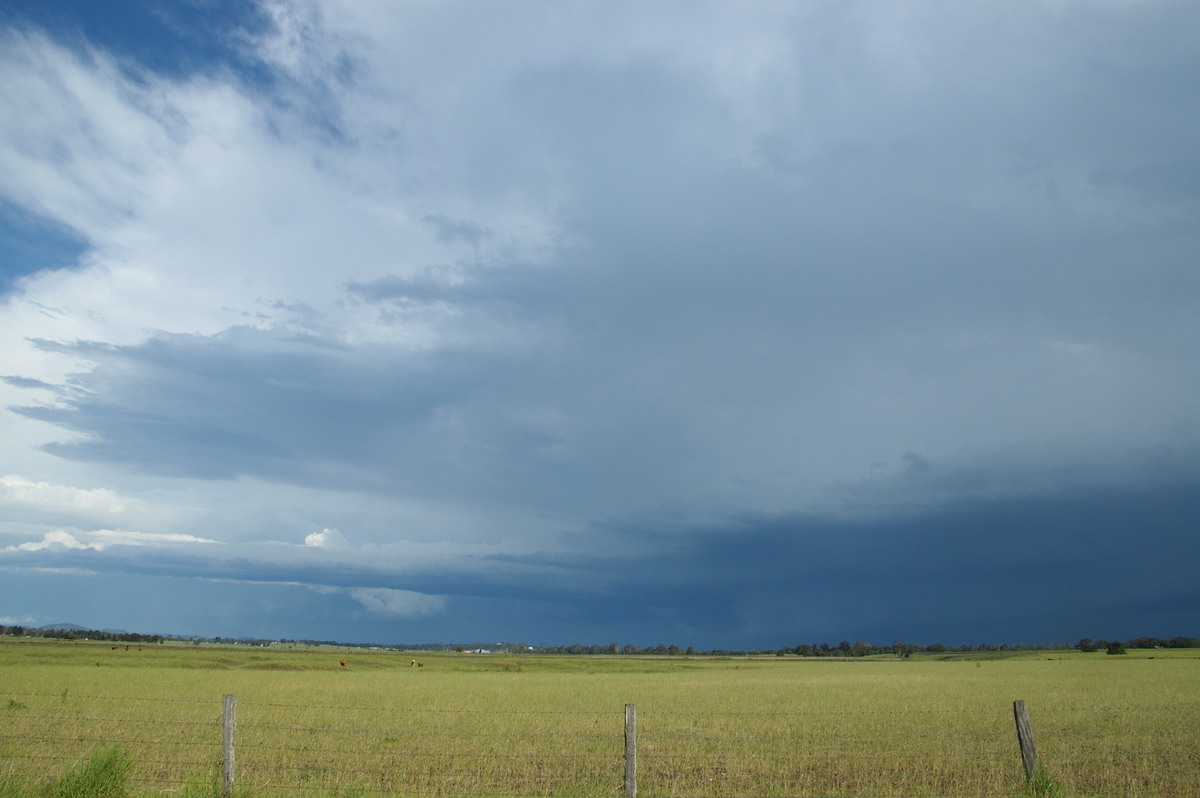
x,y
416,664
343,663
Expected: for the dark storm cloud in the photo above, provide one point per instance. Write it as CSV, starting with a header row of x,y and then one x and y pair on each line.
x,y
1095,564
1021,569
244,402
26,382
451,230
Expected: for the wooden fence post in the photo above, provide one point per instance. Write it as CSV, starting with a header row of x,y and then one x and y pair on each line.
x,y
1025,738
229,726
630,751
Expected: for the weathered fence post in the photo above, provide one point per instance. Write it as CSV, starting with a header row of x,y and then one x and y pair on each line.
x,y
630,751
229,726
1025,738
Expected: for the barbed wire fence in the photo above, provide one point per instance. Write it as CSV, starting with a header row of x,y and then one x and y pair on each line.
x,y
220,747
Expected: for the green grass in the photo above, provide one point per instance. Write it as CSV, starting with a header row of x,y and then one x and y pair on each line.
x,y
1043,785
103,774
541,725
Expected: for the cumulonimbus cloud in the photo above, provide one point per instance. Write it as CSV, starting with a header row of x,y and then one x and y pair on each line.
x,y
503,318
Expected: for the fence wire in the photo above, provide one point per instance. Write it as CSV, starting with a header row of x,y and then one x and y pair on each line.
x,y
334,749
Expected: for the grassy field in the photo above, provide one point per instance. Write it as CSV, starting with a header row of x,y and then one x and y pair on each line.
x,y
492,725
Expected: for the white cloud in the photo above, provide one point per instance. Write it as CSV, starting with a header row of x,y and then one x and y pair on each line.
x,y
57,539
397,603
326,539
100,539
114,537
8,620
24,492
75,149
380,602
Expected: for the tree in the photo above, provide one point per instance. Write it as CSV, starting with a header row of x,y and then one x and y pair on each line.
x,y
1086,645
1116,647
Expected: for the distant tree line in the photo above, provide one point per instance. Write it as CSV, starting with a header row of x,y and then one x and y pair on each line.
x,y
843,649
661,650
79,634
904,649
1119,647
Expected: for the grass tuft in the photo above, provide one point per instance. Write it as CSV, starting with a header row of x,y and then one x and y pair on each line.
x,y
1044,785
102,775
210,787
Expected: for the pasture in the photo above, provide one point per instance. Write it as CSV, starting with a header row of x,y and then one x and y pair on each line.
x,y
520,725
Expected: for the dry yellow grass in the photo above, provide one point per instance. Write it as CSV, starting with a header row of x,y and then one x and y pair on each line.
x,y
554,726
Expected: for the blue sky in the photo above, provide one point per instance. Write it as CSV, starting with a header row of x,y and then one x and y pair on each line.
x,y
730,326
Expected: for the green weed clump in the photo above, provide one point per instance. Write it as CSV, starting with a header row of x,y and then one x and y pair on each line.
x,y
102,775
1043,785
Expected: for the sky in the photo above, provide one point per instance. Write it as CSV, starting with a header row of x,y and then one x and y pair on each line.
x,y
725,325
